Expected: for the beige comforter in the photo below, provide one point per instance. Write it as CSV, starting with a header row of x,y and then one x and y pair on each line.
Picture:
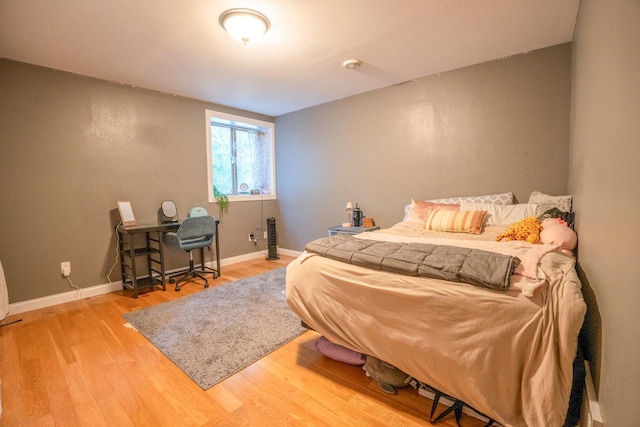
x,y
506,354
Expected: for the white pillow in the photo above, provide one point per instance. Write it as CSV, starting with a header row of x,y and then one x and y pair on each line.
x,y
501,214
546,202
494,199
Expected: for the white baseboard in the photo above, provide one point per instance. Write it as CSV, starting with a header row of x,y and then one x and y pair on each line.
x,y
97,290
51,300
289,252
591,415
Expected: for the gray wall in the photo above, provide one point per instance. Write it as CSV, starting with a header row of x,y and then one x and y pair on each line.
x,y
490,128
70,147
605,180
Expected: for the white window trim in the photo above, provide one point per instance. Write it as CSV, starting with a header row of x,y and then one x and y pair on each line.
x,y
232,119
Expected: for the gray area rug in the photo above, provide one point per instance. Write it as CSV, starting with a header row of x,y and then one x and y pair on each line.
x,y
217,332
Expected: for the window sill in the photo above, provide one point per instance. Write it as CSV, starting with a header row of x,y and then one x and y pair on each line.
x,y
250,198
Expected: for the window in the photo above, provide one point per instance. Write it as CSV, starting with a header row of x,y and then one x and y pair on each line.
x,y
240,157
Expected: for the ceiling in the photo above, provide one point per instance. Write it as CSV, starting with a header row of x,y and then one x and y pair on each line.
x,y
178,47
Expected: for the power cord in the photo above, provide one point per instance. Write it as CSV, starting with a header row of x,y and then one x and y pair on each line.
x,y
117,261
117,254
255,244
10,323
79,291
261,229
78,294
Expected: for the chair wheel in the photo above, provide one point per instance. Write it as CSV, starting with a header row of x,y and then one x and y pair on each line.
x,y
206,285
177,288
171,280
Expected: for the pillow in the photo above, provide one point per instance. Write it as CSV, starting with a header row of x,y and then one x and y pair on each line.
x,y
495,199
501,214
568,217
420,210
546,202
338,352
456,221
558,233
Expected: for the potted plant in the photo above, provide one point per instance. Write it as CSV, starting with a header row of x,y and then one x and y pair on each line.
x,y
222,201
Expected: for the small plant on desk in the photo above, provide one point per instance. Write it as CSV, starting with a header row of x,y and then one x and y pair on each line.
x,y
222,201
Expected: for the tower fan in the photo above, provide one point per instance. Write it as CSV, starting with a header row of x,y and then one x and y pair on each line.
x,y
272,239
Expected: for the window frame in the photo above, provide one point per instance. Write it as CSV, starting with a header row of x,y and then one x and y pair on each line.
x,y
246,122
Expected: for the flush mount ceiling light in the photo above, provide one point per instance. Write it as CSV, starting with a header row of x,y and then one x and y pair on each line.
x,y
352,64
244,25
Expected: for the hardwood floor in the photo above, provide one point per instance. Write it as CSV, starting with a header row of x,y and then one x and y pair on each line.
x,y
76,364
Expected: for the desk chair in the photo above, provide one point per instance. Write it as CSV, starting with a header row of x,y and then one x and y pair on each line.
x,y
194,233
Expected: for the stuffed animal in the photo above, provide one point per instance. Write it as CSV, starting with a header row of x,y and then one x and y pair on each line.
x,y
527,229
338,352
556,231
388,377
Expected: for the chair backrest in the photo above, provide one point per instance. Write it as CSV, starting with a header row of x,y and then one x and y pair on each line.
x,y
197,211
197,227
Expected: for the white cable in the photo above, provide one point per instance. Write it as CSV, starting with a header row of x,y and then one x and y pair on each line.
x,y
74,286
255,243
117,254
79,292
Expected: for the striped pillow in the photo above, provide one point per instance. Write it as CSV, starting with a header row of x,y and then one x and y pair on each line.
x,y
420,210
456,221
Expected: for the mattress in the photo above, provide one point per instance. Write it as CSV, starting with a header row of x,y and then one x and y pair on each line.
x,y
508,354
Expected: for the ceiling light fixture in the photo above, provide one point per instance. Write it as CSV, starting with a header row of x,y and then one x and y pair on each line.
x,y
352,64
244,25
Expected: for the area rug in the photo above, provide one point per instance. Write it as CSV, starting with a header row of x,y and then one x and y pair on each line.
x,y
217,332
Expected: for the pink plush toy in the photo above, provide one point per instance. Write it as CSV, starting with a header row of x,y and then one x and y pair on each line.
x,y
555,231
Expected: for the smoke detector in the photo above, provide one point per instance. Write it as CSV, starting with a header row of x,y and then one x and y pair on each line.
x,y
352,64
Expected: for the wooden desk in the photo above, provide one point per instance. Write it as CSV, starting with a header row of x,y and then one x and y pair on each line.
x,y
153,250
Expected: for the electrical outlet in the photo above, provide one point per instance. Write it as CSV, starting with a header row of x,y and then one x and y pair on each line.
x,y
65,268
252,237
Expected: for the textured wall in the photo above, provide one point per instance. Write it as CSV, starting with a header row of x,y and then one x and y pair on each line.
x,y
70,147
494,127
604,178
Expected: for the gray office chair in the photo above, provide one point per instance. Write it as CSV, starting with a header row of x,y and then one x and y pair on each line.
x,y
194,233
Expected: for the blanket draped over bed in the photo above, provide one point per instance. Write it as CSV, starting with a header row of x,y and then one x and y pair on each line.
x,y
456,264
506,354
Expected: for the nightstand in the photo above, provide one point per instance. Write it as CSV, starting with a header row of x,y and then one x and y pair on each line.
x,y
350,230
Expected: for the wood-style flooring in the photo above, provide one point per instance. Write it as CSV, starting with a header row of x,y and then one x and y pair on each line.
x,y
77,364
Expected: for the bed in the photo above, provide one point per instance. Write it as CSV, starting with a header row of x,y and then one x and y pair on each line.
x,y
507,353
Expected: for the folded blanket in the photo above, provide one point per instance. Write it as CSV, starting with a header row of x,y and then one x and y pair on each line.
x,y
527,277
456,264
